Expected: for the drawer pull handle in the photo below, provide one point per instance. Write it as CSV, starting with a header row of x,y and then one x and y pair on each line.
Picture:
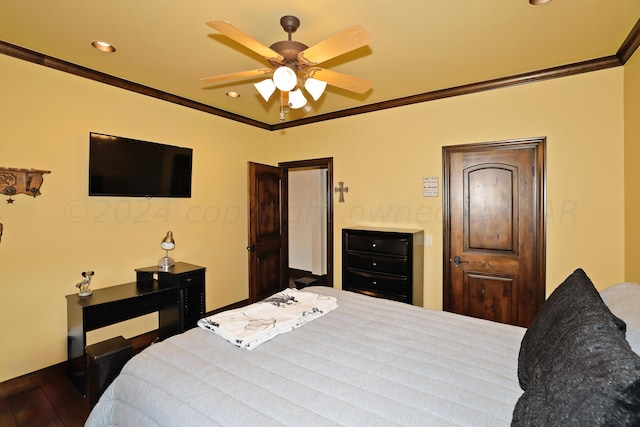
x,y
374,264
375,282
373,245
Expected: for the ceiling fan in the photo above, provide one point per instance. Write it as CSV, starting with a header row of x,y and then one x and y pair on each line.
x,y
291,59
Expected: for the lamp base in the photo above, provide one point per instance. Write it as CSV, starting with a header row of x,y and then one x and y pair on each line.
x,y
166,262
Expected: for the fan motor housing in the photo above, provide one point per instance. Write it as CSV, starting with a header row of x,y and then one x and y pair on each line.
x,y
289,49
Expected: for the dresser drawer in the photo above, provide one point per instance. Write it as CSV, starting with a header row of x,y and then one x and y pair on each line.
x,y
374,244
378,263
398,286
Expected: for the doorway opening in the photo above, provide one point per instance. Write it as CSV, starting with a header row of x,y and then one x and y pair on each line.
x,y
310,221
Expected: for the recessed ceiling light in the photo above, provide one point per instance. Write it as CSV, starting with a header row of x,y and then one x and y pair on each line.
x,y
537,2
232,94
103,46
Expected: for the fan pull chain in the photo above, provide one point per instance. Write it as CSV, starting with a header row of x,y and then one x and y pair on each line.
x,y
281,106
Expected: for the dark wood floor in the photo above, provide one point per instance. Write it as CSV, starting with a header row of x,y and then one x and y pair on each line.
x,y
43,398
49,398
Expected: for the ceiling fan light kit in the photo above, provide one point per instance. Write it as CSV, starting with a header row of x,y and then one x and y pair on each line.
x,y
290,59
285,78
315,87
297,99
265,88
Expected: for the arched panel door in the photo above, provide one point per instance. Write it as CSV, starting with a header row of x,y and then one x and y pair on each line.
x,y
494,230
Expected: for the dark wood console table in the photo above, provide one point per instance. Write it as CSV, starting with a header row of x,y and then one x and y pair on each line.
x,y
177,294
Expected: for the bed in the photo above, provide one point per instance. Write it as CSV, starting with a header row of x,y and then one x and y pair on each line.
x,y
367,362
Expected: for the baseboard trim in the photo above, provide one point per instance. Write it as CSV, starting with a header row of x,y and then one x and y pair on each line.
x,y
229,307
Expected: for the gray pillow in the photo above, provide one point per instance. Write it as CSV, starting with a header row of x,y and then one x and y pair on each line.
x,y
564,307
592,378
575,365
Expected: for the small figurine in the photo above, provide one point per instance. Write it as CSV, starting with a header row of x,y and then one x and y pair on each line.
x,y
84,285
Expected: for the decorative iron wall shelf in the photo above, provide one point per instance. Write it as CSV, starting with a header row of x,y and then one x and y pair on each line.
x,y
21,181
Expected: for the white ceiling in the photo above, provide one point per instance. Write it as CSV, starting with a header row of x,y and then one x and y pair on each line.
x,y
417,46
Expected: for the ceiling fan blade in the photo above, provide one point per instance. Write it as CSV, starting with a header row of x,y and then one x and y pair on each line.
x,y
343,81
338,44
238,75
246,40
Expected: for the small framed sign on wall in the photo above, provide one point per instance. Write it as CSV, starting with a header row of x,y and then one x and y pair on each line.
x,y
430,186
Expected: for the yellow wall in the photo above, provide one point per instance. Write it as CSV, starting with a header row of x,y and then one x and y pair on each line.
x,y
383,156
48,241
632,171
380,156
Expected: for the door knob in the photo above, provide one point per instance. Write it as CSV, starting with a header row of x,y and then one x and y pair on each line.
x,y
457,261
251,248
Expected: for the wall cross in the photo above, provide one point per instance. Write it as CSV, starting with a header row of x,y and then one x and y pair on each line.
x,y
341,189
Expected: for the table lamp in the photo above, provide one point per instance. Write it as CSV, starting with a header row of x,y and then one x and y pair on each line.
x,y
167,244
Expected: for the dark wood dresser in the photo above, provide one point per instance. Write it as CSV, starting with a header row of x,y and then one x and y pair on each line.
x,y
384,262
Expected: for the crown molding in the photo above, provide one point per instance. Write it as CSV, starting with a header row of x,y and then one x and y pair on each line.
x,y
626,50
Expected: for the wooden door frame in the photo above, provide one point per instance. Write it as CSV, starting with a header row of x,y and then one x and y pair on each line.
x,y
541,208
321,163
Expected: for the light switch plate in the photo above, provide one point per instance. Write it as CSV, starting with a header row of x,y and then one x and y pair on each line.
x,y
428,240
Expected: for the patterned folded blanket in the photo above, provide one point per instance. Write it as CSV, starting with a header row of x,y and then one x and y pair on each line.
x,y
248,327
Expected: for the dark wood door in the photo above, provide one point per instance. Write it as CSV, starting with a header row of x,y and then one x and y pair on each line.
x,y
268,247
494,246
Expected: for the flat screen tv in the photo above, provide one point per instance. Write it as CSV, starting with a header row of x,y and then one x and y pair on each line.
x,y
121,166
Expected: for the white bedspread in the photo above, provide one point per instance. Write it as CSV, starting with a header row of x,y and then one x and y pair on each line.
x,y
370,362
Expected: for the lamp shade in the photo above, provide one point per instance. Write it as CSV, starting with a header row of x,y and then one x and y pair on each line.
x,y
297,99
315,87
285,78
266,88
168,243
